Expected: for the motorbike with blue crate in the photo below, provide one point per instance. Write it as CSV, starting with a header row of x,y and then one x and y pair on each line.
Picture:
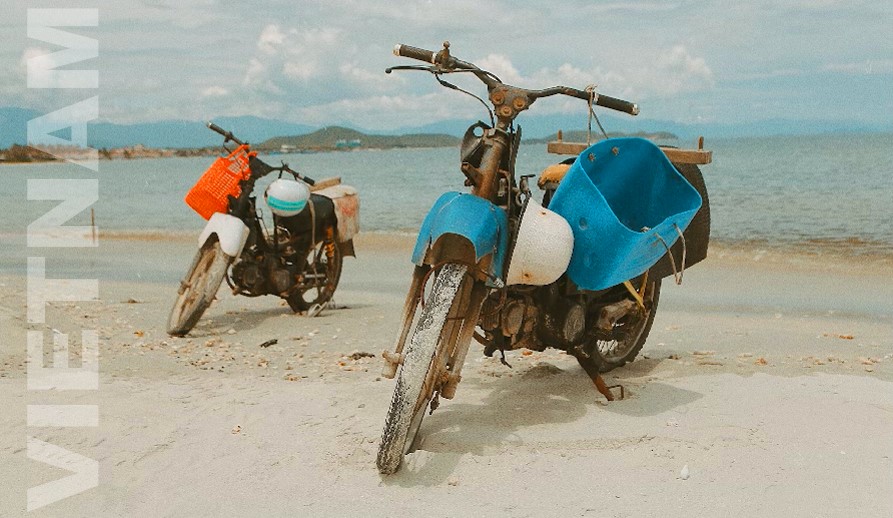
x,y
299,259
580,271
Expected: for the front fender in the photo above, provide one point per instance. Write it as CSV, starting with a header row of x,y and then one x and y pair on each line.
x,y
232,233
482,224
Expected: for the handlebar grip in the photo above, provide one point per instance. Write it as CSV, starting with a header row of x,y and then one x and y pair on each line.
x,y
407,51
617,104
309,181
228,135
217,128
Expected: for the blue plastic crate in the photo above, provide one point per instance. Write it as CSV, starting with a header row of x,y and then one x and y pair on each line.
x,y
626,204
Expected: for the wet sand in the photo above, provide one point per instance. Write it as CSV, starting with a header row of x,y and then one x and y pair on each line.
x,y
769,375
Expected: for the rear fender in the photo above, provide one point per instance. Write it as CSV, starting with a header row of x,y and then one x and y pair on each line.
x,y
231,232
463,228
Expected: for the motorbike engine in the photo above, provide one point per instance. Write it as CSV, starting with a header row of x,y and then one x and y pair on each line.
x,y
510,322
258,274
563,322
247,277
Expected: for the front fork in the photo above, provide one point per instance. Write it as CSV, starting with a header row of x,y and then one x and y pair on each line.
x,y
456,335
394,359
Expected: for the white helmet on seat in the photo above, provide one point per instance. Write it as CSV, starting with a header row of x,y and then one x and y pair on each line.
x,y
542,249
286,197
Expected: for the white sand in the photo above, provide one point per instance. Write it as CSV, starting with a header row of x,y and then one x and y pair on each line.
x,y
780,412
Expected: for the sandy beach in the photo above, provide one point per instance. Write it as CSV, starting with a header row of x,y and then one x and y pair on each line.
x,y
768,377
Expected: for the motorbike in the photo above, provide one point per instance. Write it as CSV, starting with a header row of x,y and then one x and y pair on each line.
x,y
299,259
580,271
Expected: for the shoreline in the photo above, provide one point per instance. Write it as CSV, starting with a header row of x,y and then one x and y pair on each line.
x,y
830,251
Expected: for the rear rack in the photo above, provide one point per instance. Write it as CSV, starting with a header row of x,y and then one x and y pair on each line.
x,y
699,156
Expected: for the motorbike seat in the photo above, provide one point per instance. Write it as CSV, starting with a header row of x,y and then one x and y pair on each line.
x,y
325,182
552,175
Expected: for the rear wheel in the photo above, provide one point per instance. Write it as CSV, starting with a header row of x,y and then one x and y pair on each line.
x,y
421,369
628,337
321,276
198,289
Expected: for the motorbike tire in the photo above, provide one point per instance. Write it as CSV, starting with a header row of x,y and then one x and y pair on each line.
x,y
303,299
414,387
626,351
198,288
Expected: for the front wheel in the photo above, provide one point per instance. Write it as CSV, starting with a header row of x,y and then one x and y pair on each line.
x,y
198,289
419,372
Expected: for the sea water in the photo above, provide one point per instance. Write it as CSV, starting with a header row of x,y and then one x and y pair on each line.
x,y
829,192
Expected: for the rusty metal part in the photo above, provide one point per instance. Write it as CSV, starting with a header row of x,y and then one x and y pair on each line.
x,y
635,294
602,387
389,369
392,361
472,174
442,58
610,314
512,317
591,369
330,245
463,340
574,323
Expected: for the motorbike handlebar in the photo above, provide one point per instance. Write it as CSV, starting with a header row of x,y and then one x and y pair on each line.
x,y
443,60
408,51
605,101
228,135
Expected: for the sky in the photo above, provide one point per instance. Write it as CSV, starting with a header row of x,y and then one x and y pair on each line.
x,y
322,62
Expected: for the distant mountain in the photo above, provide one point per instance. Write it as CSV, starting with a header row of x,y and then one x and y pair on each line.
x,y
544,126
194,134
581,136
163,134
185,134
335,137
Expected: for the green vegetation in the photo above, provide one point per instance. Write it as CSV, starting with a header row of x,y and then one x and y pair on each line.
x,y
334,137
23,154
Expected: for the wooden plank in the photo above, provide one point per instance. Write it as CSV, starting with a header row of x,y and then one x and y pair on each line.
x,y
688,156
322,184
679,156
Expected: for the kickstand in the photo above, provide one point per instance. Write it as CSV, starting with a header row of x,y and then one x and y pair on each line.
x,y
592,370
606,390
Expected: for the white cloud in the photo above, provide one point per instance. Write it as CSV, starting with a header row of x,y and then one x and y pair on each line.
x,y
678,71
291,56
300,70
502,67
270,38
383,112
867,67
215,91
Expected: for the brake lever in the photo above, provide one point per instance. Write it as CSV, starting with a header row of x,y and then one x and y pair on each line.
x,y
422,68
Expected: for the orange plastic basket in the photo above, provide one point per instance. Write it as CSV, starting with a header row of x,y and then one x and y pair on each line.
x,y
209,194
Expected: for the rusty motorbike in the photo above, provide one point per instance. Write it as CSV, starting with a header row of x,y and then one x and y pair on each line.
x,y
580,271
299,259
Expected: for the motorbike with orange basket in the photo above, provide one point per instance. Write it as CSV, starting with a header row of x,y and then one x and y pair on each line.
x,y
580,271
299,259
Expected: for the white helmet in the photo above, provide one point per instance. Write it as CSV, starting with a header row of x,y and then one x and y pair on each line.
x,y
542,249
286,197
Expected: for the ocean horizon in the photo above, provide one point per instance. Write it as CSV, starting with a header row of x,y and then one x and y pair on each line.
x,y
810,193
